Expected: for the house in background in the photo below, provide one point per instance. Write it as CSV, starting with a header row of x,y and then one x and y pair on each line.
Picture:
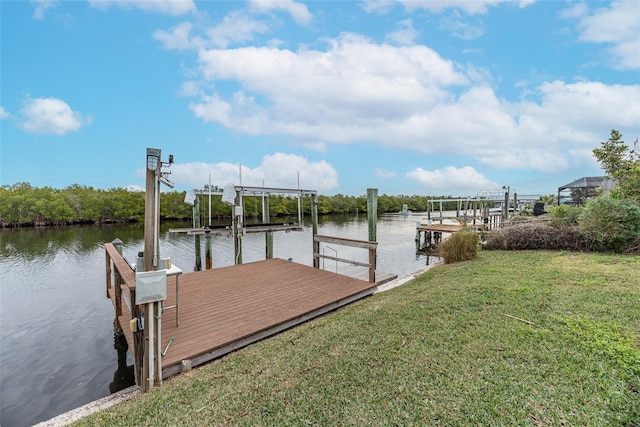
x,y
577,192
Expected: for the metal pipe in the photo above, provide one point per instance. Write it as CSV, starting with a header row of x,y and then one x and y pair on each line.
x,y
159,342
150,337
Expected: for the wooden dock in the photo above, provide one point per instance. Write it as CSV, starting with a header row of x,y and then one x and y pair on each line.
x,y
226,308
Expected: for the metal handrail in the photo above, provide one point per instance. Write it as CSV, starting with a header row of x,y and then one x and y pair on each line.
x,y
334,251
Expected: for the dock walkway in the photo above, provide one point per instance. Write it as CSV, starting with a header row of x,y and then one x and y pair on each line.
x,y
226,308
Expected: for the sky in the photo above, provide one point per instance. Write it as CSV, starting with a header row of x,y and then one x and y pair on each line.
x,y
410,97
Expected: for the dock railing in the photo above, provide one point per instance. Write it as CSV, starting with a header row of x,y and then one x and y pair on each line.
x,y
364,244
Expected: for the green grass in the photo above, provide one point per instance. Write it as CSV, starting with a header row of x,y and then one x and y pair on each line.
x,y
438,350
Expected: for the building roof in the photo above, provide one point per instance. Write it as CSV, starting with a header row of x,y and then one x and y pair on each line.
x,y
584,182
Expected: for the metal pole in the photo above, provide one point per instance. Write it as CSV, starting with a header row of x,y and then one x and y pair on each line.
x,y
237,228
196,224
159,343
314,232
505,208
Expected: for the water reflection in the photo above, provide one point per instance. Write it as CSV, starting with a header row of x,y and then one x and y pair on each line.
x,y
124,376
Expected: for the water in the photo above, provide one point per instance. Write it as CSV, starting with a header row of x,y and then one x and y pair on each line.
x,y
56,323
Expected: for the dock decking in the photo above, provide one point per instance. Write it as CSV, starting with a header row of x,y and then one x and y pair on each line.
x,y
226,308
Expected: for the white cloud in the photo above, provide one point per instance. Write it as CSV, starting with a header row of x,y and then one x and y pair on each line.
x,y
617,26
451,180
341,91
135,188
52,116
41,7
459,28
4,114
383,173
276,170
406,97
179,38
298,11
379,7
405,34
236,27
475,7
164,7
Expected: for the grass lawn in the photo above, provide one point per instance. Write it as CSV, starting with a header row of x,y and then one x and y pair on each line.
x,y
509,338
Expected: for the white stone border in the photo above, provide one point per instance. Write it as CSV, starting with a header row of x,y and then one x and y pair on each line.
x,y
91,408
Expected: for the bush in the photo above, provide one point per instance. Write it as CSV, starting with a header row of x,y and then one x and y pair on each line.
x,y
564,216
535,234
609,224
460,246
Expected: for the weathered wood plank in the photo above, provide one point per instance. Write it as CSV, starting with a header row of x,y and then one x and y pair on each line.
x,y
364,244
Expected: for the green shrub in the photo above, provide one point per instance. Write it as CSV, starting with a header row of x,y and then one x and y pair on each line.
x,y
564,215
609,224
460,246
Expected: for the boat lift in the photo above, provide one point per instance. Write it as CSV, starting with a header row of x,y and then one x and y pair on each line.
x,y
233,195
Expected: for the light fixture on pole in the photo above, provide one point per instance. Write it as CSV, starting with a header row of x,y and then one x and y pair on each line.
x,y
153,158
154,176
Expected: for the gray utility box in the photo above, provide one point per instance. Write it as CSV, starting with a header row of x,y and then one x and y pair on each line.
x,y
151,286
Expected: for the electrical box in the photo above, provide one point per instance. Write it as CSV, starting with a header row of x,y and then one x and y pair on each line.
x,y
151,286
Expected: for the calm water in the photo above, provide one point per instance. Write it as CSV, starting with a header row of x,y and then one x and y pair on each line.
x,y
56,324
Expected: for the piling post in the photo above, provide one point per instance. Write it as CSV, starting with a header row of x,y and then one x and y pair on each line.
x,y
207,249
314,221
151,209
269,244
372,212
372,215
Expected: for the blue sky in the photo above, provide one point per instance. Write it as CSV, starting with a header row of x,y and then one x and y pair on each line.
x,y
410,97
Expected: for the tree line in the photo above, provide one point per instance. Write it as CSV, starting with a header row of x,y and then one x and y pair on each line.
x,y
23,205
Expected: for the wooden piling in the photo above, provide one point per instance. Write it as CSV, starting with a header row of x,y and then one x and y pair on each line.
x,y
150,207
207,249
372,212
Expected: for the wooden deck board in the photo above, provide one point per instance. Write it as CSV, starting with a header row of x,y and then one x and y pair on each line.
x,y
229,307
